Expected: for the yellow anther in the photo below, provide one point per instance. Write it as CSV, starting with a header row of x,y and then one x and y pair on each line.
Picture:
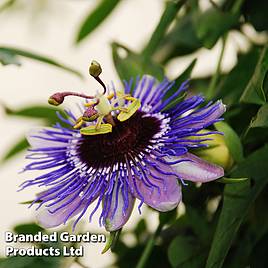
x,y
131,109
110,96
89,104
123,109
129,98
79,122
91,130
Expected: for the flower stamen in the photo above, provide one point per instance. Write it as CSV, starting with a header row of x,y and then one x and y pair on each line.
x,y
100,110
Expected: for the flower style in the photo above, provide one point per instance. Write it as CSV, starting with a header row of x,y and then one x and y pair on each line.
x,y
131,144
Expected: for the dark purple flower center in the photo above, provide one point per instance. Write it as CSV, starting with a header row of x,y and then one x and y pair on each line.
x,y
127,138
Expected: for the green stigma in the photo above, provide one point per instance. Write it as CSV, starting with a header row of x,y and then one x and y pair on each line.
x,y
95,69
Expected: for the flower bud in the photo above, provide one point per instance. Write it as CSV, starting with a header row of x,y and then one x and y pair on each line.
x,y
95,69
90,114
217,152
56,99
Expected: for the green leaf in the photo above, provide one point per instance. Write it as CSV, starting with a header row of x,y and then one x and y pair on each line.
x,y
254,92
95,18
7,58
186,73
200,85
7,4
167,217
245,248
132,65
232,141
181,250
212,24
31,262
17,262
261,119
18,147
174,102
229,90
172,8
37,111
140,230
199,224
28,228
178,81
181,40
236,203
259,257
255,13
30,55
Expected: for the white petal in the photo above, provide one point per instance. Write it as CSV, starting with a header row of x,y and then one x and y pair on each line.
x,y
168,194
196,169
37,138
120,217
48,220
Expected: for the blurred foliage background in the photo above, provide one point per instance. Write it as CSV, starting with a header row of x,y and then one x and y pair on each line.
x,y
221,224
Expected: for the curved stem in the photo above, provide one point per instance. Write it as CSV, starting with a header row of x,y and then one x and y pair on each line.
x,y
215,77
149,247
69,93
101,82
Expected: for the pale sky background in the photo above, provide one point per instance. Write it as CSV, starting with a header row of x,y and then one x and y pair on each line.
x,y
52,34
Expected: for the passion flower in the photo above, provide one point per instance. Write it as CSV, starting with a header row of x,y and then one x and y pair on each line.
x,y
135,143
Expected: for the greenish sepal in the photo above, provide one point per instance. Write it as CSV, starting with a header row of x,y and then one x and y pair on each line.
x,y
231,180
113,238
92,130
132,108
